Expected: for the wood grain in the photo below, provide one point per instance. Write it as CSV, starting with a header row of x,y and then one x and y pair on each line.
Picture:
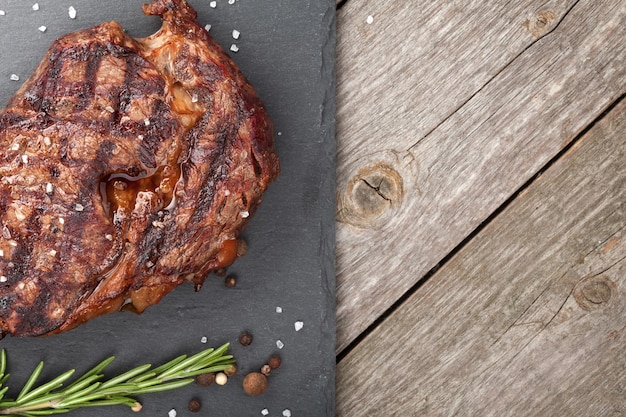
x,y
528,319
443,113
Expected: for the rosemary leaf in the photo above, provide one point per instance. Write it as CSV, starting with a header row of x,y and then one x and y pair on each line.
x,y
172,363
47,387
126,376
94,371
143,377
165,386
3,363
210,369
130,402
2,392
78,386
31,381
81,393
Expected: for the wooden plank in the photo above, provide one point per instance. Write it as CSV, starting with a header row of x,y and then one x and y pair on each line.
x,y
443,113
529,318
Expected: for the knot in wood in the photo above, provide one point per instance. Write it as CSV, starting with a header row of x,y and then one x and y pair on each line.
x,y
594,292
370,193
541,22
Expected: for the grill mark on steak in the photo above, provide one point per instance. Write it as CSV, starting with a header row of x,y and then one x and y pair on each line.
x,y
87,83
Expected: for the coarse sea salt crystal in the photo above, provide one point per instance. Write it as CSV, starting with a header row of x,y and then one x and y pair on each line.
x,y
2,13
280,344
207,27
231,1
244,214
287,412
42,28
370,19
279,310
213,4
72,12
25,158
234,48
36,6
14,77
49,188
265,412
1,252
236,34
19,215
172,413
298,325
3,278
203,339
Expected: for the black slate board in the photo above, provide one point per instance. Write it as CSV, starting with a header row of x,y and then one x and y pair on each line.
x,y
286,50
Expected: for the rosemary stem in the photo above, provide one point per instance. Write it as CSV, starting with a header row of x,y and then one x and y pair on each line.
x,y
89,390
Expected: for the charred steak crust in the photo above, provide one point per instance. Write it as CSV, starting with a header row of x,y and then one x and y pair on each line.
x,y
127,166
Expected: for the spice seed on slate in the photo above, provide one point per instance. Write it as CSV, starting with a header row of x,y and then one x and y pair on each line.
x,y
194,406
274,361
232,371
231,281
221,378
255,383
245,339
205,379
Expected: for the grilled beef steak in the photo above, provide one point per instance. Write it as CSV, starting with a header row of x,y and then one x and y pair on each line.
x,y
127,166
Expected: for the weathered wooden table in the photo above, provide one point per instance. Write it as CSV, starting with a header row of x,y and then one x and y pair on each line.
x,y
481,207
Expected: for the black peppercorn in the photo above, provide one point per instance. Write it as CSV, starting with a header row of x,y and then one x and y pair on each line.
x,y
230,281
245,339
274,361
194,406
205,379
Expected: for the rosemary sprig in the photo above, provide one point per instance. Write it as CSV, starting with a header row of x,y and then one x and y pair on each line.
x,y
90,390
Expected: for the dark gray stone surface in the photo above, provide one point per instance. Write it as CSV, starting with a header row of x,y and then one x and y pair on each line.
x,y
286,50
